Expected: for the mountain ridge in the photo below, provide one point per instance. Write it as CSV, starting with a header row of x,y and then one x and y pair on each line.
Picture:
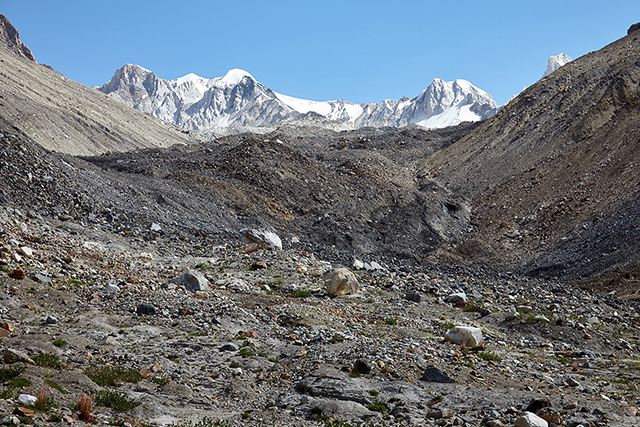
x,y
196,103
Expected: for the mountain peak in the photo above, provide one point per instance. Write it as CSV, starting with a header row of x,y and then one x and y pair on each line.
x,y
556,62
11,39
234,77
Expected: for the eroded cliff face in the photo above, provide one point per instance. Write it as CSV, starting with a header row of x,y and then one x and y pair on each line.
x,y
10,38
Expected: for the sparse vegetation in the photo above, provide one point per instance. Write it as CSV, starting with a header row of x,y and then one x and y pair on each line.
x,y
48,361
115,400
59,342
84,407
112,376
7,374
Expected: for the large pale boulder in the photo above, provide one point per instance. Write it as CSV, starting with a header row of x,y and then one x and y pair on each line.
x,y
467,335
265,238
340,281
192,280
530,420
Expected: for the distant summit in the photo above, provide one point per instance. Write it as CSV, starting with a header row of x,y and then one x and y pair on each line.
x,y
556,62
10,38
238,101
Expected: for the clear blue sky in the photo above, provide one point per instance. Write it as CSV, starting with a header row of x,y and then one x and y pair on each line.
x,y
362,51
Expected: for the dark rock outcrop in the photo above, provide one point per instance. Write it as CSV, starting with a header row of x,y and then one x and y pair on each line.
x,y
9,36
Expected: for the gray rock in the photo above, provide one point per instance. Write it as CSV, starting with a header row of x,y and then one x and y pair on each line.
x,y
230,346
51,320
192,280
27,400
146,309
41,278
436,375
265,238
530,420
340,281
457,298
15,356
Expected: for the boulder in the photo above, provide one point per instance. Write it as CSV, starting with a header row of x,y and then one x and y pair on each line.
x,y
457,298
27,400
340,281
15,356
192,280
265,238
467,335
530,420
436,375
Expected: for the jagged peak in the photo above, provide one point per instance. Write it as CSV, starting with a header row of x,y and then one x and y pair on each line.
x,y
10,38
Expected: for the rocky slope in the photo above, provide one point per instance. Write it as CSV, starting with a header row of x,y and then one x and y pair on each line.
x,y
66,116
553,178
237,100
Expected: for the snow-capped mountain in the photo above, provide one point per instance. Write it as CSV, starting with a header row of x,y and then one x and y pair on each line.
x,y
238,100
556,62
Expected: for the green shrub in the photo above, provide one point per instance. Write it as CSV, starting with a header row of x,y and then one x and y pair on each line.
x,y
48,361
112,376
7,374
117,401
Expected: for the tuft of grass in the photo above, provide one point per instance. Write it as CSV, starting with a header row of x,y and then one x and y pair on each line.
x,y
54,385
245,352
115,400
205,422
112,376
84,406
378,407
473,308
437,398
489,356
373,393
59,342
19,383
44,401
391,321
301,293
48,361
160,381
7,374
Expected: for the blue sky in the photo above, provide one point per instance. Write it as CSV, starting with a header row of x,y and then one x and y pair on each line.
x,y
362,51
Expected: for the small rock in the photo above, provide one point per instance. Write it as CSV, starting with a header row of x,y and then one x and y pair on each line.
x,y
361,366
265,238
413,296
340,281
467,335
357,264
27,400
512,315
146,309
15,356
18,274
24,412
530,420
259,265
41,278
7,326
230,346
155,228
571,382
10,420
51,320
536,404
494,423
26,251
457,298
436,375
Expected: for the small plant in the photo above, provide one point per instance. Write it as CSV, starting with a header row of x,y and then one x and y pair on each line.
x,y
59,342
391,321
446,325
117,401
7,374
112,376
19,383
205,422
355,375
44,402
489,356
437,398
473,308
160,381
301,293
373,393
234,365
245,352
84,406
378,407
54,385
48,361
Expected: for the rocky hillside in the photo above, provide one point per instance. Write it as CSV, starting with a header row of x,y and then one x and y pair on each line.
x,y
553,178
66,116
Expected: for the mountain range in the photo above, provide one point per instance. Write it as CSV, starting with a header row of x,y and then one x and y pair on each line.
x,y
239,100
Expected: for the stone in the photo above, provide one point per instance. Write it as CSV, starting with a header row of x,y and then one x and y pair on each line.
x,y
530,420
15,356
494,423
467,335
7,420
357,264
571,382
230,346
536,404
38,277
51,320
413,296
361,366
192,280
7,326
512,315
259,265
27,400
18,274
457,298
265,238
436,375
155,228
24,412
340,281
146,309
26,251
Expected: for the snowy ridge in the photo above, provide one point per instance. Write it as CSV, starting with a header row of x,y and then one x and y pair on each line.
x,y
238,101
556,62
